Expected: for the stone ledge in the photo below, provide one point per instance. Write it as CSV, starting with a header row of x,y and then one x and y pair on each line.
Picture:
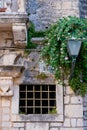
x,y
11,70
38,40
10,18
38,117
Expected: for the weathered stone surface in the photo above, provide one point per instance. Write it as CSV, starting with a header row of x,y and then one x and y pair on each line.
x,y
76,100
9,58
54,129
11,70
37,126
5,84
5,117
66,99
18,125
15,129
6,110
19,32
15,101
6,124
80,128
80,122
13,31
69,90
21,6
21,128
43,13
5,102
55,124
72,111
73,123
6,39
67,122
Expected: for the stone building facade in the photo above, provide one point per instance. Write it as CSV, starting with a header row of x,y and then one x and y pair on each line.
x,y
23,76
45,12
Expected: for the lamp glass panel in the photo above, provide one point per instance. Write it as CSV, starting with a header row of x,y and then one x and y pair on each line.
x,y
74,47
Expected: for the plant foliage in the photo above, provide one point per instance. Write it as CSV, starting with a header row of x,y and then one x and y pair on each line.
x,y
55,51
32,33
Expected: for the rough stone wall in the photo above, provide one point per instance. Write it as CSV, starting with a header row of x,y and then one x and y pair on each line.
x,y
85,112
42,13
83,8
45,12
10,118
6,38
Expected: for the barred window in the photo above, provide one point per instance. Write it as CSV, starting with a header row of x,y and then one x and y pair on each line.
x,y
37,99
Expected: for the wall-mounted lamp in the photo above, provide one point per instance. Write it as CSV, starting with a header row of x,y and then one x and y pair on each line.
x,y
73,47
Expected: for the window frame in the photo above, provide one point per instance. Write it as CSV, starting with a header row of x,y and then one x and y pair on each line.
x,y
38,117
45,103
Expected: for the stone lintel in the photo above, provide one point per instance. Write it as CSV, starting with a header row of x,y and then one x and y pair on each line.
x,y
13,18
11,70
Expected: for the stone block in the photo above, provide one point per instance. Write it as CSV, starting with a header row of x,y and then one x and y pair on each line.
x,y
76,100
9,58
80,122
67,122
6,110
79,128
37,126
5,102
73,123
4,128
55,124
74,111
56,4
6,86
6,124
66,5
18,125
22,128
5,38
85,108
13,117
75,4
19,33
85,128
5,117
66,99
85,123
15,101
15,129
85,115
70,12
69,90
54,129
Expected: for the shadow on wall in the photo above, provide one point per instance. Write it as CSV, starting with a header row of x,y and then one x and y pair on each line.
x,y
83,8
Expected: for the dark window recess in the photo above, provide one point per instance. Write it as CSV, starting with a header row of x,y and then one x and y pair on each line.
x,y
37,99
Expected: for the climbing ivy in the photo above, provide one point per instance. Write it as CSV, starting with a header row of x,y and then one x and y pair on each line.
x,y
55,51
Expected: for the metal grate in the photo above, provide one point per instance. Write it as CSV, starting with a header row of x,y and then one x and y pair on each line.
x,y
37,99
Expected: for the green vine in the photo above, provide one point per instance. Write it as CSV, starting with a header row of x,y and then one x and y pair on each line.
x,y
32,33
55,51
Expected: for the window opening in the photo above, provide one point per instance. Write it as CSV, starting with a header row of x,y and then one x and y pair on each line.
x,y
37,99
